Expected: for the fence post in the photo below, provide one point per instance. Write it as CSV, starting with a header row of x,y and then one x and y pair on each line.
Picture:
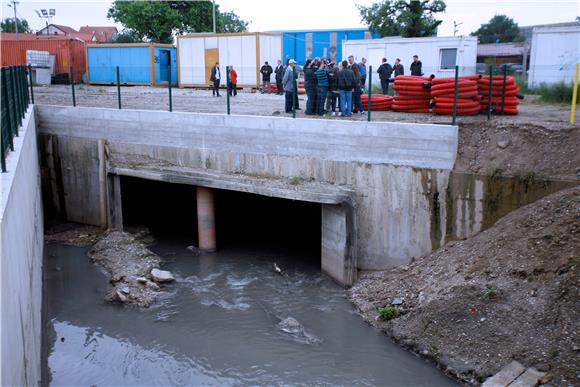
x,y
25,86
30,81
503,90
574,94
11,112
490,92
72,83
228,87
370,93
118,87
455,91
169,84
294,92
15,102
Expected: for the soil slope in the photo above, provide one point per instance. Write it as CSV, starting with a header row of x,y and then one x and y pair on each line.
x,y
510,292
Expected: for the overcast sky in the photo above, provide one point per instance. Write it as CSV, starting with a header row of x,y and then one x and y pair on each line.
x,y
266,15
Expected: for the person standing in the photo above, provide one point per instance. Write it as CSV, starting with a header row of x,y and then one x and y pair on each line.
x,y
416,66
350,61
215,78
362,68
310,87
279,74
385,70
332,87
322,82
345,87
266,71
357,91
232,86
398,68
289,82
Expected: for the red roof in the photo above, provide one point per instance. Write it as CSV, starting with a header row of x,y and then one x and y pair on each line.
x,y
102,34
65,29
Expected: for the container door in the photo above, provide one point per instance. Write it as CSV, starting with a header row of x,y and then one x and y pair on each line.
x,y
164,60
211,57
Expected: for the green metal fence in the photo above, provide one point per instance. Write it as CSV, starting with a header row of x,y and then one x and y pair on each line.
x,y
14,101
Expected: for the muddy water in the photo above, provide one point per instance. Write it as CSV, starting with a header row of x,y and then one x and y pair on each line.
x,y
222,323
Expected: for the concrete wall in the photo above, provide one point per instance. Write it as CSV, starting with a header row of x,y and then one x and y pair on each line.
x,y
394,169
21,246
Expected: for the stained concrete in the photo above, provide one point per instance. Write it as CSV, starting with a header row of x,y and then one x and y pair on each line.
x,y
21,249
384,164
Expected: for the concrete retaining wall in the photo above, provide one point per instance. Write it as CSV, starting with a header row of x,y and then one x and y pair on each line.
x,y
21,246
396,170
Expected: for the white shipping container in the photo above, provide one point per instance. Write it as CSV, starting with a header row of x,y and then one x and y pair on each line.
x,y
438,55
554,54
246,52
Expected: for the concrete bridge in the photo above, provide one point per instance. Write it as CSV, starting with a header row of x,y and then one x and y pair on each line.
x,y
381,186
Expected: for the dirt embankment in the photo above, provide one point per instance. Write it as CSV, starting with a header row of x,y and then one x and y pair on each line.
x,y
547,150
510,292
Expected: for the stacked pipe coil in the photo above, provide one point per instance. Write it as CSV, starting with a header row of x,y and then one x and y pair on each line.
x,y
378,102
511,91
413,94
443,90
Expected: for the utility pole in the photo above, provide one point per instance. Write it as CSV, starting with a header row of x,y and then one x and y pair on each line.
x,y
455,25
14,2
213,6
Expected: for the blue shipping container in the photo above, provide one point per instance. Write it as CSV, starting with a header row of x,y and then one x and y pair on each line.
x,y
303,44
139,64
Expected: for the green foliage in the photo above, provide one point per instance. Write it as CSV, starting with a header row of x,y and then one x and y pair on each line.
x,y
157,21
556,93
500,28
8,25
128,36
400,17
489,293
388,313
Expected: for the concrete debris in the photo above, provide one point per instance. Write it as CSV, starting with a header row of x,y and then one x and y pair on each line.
x,y
508,374
397,301
128,261
161,276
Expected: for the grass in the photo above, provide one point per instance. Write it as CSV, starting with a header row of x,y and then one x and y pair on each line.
x,y
388,313
555,93
489,293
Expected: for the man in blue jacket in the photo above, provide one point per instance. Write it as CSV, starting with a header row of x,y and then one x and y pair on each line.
x,y
362,68
289,82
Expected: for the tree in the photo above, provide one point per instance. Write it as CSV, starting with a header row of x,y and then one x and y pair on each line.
x,y
157,21
414,18
127,36
7,25
499,29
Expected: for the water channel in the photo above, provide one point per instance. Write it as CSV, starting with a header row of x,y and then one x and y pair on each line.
x,y
217,325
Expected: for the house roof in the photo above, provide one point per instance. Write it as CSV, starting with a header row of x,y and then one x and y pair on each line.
x,y
500,49
65,29
101,33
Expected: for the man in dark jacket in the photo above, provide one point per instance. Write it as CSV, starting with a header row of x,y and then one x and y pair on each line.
x,y
266,71
310,85
416,66
279,72
346,84
385,70
215,78
398,68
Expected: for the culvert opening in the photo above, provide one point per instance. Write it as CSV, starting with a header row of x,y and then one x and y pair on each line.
x,y
243,220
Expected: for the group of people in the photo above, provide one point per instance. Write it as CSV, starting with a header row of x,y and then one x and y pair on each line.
x,y
327,85
215,78
386,71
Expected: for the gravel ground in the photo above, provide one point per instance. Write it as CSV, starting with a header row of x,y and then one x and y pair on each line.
x,y
539,140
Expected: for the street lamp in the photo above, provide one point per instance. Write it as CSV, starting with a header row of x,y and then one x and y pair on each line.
x,y
46,14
